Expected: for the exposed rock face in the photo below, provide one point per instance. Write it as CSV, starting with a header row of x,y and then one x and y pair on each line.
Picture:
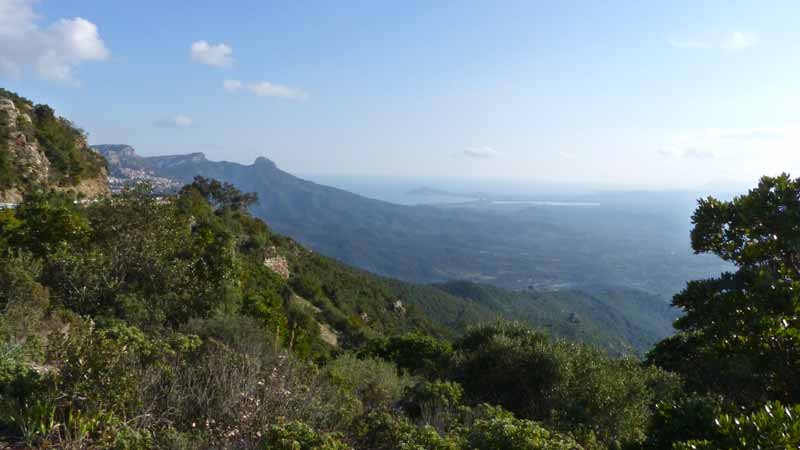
x,y
277,263
29,161
329,335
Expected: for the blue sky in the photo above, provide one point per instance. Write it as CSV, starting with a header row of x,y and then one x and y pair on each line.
x,y
641,94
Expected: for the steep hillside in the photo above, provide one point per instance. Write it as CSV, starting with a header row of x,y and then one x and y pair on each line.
x,y
620,320
39,150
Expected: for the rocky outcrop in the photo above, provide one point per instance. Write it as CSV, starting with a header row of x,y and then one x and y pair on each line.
x,y
277,263
27,160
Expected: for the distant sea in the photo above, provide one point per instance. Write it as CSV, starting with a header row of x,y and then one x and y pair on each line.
x,y
399,190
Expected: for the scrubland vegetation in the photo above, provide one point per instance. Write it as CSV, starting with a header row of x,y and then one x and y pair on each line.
x,y
136,322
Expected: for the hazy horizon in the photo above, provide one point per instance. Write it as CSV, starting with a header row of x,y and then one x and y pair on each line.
x,y
619,95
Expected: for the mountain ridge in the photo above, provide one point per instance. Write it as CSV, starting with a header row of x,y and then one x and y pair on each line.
x,y
315,214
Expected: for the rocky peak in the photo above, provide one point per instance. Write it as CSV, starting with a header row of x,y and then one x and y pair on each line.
x,y
264,163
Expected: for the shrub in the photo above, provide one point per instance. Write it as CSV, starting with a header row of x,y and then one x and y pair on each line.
x,y
373,383
299,436
495,429
418,353
437,403
386,431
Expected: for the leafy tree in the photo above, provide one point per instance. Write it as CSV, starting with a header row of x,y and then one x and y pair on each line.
x,y
221,195
688,418
740,335
774,426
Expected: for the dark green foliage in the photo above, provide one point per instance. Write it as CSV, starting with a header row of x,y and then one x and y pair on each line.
x,y
418,353
740,336
684,419
568,385
307,287
221,195
773,426
46,224
623,321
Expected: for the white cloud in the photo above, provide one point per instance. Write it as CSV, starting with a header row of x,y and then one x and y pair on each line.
x,y
176,121
737,40
232,85
218,55
54,51
481,152
265,89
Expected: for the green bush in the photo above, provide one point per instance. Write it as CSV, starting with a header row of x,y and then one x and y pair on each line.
x,y
416,352
299,436
99,370
386,431
373,383
438,403
495,429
